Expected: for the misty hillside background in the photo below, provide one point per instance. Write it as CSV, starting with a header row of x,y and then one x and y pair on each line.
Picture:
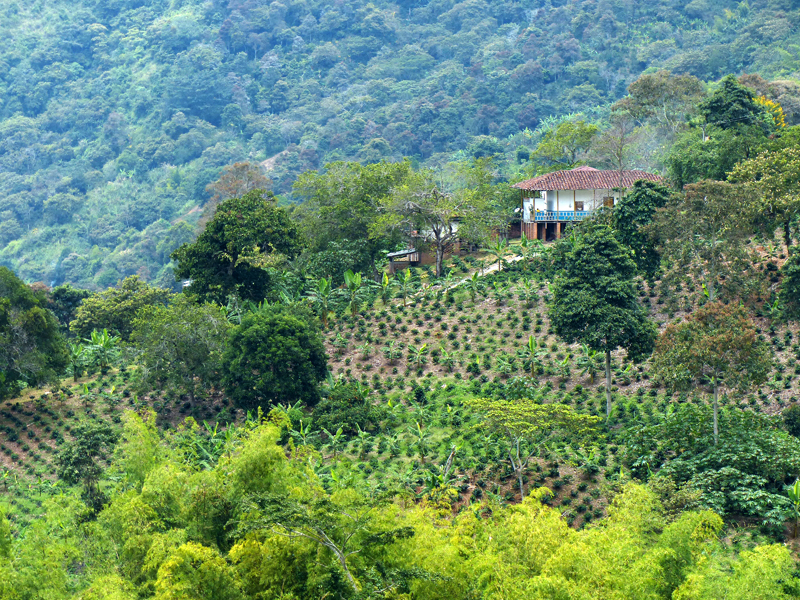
x,y
116,114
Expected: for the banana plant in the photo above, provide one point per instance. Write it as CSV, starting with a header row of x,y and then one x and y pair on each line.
x,y
794,497
102,347
499,290
366,350
406,282
319,297
532,355
420,440
528,293
447,360
774,310
363,443
392,351
393,445
417,356
505,364
474,286
499,249
589,362
340,343
77,359
304,434
387,289
336,441
564,370
440,477
353,283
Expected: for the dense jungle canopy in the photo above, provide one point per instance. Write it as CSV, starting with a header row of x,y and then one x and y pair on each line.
x,y
116,115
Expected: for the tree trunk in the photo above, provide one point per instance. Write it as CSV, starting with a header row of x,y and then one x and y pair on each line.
x,y
787,236
608,384
518,468
439,258
716,412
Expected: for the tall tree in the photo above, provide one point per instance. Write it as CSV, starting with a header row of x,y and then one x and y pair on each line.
x,y
32,349
342,202
233,254
80,461
526,425
564,146
181,345
716,343
427,212
594,301
663,98
235,181
732,104
776,179
633,214
703,232
115,308
275,355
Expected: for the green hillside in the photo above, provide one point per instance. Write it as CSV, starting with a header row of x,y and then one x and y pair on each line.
x,y
115,116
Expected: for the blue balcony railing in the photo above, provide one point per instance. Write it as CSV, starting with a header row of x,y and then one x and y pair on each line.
x,y
561,215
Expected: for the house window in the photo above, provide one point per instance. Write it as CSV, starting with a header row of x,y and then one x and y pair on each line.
x,y
608,201
579,205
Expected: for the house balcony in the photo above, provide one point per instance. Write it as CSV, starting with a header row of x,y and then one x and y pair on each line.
x,y
560,216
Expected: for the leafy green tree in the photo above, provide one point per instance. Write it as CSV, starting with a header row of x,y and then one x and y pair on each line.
x,y
233,254
64,302
439,217
711,152
703,233
235,181
594,300
716,343
564,146
115,309
343,202
80,460
663,98
743,473
776,179
32,349
180,345
275,355
632,215
526,426
732,104
195,571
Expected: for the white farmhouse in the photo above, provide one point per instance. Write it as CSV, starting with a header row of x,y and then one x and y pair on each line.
x,y
551,201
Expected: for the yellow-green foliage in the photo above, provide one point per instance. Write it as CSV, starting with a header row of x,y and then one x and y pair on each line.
x,y
139,452
262,525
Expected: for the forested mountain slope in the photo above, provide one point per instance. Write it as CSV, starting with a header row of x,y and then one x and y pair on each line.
x,y
115,115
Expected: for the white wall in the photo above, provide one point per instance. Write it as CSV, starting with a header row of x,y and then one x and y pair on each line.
x,y
591,199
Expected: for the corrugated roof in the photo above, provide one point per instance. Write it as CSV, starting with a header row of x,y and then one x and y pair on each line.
x,y
585,178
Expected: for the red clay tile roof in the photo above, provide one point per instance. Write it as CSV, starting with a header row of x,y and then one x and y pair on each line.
x,y
585,178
